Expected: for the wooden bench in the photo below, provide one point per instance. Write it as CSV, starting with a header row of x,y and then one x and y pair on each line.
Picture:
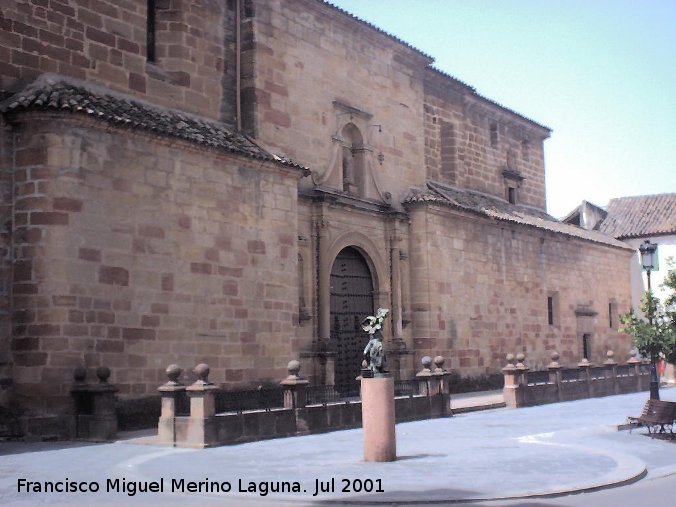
x,y
657,415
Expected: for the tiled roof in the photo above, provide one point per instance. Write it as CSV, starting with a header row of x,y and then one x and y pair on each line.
x,y
52,92
640,216
492,207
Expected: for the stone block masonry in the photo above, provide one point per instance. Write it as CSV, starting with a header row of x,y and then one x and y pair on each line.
x,y
133,252
138,228
105,42
487,291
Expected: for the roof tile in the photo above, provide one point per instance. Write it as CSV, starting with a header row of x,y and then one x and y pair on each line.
x,y
57,93
640,216
498,209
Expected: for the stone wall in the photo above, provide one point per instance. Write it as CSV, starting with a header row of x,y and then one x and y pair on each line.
x,y
459,149
104,41
5,263
132,251
480,289
316,71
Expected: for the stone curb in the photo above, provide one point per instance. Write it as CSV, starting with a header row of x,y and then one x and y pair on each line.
x,y
636,471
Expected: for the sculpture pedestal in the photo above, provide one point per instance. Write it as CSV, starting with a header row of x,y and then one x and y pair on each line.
x,y
377,409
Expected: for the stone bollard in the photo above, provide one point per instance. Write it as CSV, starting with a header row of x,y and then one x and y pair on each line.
x,y
636,362
555,374
295,387
95,413
201,430
611,370
427,382
511,391
516,380
521,362
444,391
172,394
523,376
585,375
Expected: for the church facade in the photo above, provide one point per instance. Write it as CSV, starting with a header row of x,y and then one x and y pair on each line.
x,y
240,183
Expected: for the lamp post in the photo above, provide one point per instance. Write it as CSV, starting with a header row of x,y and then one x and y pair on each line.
x,y
648,252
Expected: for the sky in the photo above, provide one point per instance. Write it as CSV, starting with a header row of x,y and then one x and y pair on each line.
x,y
600,73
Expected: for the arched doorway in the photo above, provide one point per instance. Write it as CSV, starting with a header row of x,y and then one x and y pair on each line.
x,y
351,301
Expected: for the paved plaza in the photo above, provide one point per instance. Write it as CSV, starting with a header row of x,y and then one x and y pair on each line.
x,y
498,453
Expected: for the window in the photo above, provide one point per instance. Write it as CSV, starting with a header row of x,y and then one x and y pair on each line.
x,y
150,31
612,314
512,179
553,309
586,344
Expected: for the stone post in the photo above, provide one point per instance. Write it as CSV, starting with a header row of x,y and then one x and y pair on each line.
x,y
585,375
516,382
295,387
444,392
377,408
633,359
645,375
96,416
201,431
611,369
523,377
171,394
426,381
555,374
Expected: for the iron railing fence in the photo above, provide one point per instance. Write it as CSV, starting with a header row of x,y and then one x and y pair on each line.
x,y
600,373
625,370
538,377
322,394
264,398
267,398
406,387
570,374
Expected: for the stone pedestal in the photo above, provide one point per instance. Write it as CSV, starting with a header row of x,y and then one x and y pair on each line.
x,y
95,415
201,430
295,387
171,394
380,442
511,391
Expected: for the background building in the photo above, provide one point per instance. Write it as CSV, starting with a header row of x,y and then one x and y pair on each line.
x,y
241,182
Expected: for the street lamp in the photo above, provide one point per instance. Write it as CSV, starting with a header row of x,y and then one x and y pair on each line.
x,y
649,262
648,258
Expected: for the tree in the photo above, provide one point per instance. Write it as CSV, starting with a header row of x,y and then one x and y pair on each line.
x,y
670,304
655,334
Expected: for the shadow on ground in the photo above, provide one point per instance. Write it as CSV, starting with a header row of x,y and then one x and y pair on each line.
x,y
427,498
13,447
